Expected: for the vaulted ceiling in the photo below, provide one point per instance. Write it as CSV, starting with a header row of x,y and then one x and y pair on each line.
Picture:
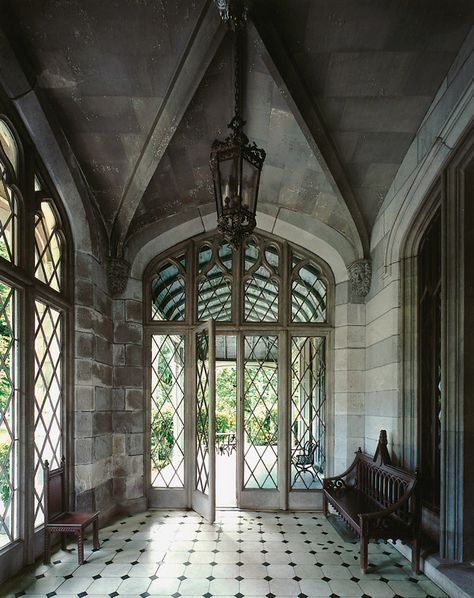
x,y
335,94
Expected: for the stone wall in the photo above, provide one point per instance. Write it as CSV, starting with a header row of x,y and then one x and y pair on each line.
x,y
93,367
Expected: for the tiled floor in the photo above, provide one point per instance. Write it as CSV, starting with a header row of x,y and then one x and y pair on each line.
x,y
244,554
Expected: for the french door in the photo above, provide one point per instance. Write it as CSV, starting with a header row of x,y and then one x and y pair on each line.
x,y
204,474
273,408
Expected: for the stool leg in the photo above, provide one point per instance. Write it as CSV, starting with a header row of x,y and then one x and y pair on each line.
x,y
95,531
363,554
47,547
80,547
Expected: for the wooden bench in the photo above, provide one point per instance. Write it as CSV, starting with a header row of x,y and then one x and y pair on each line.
x,y
377,500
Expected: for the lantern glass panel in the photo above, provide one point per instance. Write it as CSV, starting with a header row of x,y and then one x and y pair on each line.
x,y
250,179
228,178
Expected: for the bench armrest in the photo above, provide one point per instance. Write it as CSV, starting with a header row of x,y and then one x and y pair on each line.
x,y
366,518
329,481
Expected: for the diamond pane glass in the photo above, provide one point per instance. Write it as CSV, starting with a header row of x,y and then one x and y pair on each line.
x,y
261,282
214,285
202,412
9,145
8,216
9,441
168,291
167,411
308,402
308,294
260,412
48,247
48,354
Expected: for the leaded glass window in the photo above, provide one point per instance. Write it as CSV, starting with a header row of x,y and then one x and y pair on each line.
x,y
168,291
261,412
308,403
9,193
167,411
9,416
214,282
48,247
261,281
308,292
48,356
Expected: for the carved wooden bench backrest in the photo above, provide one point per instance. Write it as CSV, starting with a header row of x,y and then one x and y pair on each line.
x,y
386,485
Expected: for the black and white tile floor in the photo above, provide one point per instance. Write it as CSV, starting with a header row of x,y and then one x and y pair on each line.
x,y
244,554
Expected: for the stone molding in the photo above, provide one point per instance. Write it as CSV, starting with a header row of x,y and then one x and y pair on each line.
x,y
360,276
118,271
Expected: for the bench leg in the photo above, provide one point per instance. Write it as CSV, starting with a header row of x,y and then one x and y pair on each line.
x,y
415,555
80,547
47,547
363,554
95,532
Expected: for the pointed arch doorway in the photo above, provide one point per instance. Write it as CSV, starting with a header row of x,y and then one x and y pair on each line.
x,y
237,405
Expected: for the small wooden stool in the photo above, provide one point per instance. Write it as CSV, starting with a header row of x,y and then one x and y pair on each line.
x,y
59,520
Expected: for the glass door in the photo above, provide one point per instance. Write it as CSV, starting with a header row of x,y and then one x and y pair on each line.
x,y
259,430
204,487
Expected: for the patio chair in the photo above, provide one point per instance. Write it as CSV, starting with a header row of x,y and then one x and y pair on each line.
x,y
304,460
59,520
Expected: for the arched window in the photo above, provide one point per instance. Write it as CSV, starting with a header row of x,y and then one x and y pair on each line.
x,y
33,269
269,301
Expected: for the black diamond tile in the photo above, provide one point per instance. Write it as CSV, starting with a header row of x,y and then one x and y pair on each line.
x,y
345,565
264,551
134,563
207,595
142,550
325,578
268,578
113,594
265,563
98,576
333,595
108,562
239,578
81,594
302,595
51,594
384,579
65,577
355,579
337,552
318,564
187,563
413,579
176,595
399,565
215,551
119,550
210,578
292,564
239,595
182,577
270,595
288,551
296,578
213,563
40,576
239,563
365,596
128,540
125,577
153,577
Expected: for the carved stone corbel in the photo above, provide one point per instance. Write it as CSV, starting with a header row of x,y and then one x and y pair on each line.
x,y
118,270
360,275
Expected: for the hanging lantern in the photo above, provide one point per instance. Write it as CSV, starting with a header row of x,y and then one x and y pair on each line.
x,y
236,163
